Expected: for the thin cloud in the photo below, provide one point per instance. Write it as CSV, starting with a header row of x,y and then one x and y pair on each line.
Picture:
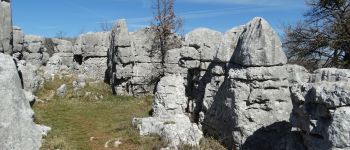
x,y
284,3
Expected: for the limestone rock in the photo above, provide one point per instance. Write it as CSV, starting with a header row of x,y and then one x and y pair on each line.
x,y
92,44
170,96
6,31
244,107
61,91
169,119
17,128
259,45
94,68
79,82
144,44
53,67
229,46
126,55
177,56
321,109
34,44
297,74
33,58
18,39
122,38
32,80
331,75
207,41
30,97
62,46
175,131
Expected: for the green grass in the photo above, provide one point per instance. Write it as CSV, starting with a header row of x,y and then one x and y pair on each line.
x,y
82,122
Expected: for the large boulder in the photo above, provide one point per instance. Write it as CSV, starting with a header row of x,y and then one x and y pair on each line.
x,y
207,41
169,120
144,44
259,45
29,73
18,40
248,104
92,44
6,32
62,46
34,43
122,37
321,109
17,128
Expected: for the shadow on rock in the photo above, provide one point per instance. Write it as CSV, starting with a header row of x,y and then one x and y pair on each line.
x,y
277,136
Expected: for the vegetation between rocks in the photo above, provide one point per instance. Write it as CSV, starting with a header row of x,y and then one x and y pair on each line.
x,y
98,120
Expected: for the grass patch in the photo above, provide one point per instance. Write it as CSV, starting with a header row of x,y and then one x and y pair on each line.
x,y
81,122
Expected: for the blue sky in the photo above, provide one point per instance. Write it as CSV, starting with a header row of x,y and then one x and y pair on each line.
x,y
48,17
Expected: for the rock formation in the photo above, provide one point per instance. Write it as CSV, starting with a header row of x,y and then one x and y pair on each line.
x,y
17,128
6,33
321,109
132,65
90,51
169,118
234,86
240,90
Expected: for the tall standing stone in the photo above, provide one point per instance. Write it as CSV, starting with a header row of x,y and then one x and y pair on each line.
x,y
17,128
259,46
5,27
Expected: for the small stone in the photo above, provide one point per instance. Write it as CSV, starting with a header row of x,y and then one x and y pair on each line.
x,y
61,91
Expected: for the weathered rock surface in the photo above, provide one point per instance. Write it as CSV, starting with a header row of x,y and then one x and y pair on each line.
x,y
79,82
132,65
6,33
207,41
259,45
18,40
321,109
92,44
169,119
17,128
62,46
32,80
61,91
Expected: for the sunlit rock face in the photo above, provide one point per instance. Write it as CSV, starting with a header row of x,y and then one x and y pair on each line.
x,y
17,128
322,109
6,33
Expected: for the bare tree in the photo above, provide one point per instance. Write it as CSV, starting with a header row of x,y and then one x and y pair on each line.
x,y
61,35
166,24
106,26
323,38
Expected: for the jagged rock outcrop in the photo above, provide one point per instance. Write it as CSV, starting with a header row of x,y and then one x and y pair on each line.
x,y
90,52
32,79
6,33
322,109
17,128
134,63
259,45
169,118
18,42
237,100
